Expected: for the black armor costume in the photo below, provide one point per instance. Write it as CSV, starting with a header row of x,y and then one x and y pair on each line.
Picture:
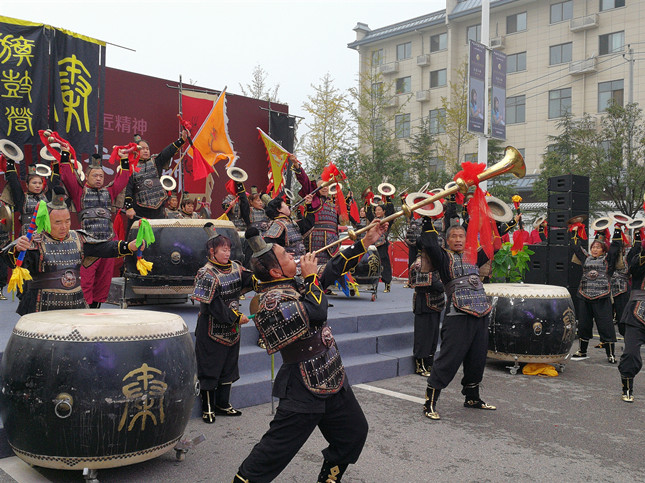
x,y
25,203
288,233
620,289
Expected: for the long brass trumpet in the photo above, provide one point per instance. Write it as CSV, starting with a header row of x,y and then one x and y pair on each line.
x,y
329,182
512,162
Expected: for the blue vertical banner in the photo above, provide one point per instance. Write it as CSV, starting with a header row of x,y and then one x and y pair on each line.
x,y
476,76
24,57
76,78
498,102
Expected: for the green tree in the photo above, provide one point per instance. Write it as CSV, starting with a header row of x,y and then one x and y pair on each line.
x,y
424,166
329,130
258,88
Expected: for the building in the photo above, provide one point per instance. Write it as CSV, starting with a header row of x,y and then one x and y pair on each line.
x,y
561,55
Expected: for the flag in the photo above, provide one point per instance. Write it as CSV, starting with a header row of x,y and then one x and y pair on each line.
x,y
277,157
212,140
201,169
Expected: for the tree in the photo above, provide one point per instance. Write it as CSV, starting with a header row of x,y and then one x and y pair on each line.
x,y
423,164
329,131
455,122
499,186
258,88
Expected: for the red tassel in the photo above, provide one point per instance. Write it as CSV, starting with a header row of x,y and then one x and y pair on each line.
x,y
201,169
230,187
480,225
3,164
582,233
342,206
520,238
118,226
353,210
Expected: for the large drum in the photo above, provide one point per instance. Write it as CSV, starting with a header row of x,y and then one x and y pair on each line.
x,y
97,388
178,252
530,323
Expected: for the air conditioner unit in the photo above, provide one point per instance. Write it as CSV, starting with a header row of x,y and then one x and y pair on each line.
x,y
391,68
423,96
423,60
497,42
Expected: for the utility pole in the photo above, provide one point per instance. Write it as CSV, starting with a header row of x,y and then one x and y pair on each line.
x,y
482,139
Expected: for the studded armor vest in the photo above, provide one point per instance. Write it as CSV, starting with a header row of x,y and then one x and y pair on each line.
x,y
414,231
639,308
28,208
224,281
259,220
95,215
59,273
324,232
620,279
293,239
465,290
149,192
173,214
595,281
283,323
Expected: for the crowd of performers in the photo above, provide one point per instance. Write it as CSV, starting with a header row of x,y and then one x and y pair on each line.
x,y
289,264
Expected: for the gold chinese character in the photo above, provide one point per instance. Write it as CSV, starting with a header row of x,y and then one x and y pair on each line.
x,y
20,48
76,89
145,392
19,119
16,85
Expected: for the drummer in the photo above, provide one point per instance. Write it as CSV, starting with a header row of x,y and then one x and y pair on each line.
x,y
539,232
54,261
218,287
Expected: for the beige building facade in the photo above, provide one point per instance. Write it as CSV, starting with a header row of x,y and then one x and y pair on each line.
x,y
571,55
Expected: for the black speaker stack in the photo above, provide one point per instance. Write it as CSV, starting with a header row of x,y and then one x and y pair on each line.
x,y
551,264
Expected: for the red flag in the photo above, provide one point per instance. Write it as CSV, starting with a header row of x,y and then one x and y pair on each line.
x,y
230,187
342,206
201,169
353,210
118,226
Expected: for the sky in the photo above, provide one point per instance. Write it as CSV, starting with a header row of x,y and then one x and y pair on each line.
x,y
219,43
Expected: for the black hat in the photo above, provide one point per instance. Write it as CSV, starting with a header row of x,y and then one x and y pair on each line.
x,y
210,230
95,161
272,208
58,199
257,243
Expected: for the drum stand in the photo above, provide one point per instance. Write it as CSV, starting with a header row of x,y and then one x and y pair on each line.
x,y
513,369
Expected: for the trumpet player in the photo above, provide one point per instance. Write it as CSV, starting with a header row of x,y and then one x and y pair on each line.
x,y
283,230
382,244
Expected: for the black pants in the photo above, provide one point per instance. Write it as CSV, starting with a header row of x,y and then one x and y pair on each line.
x,y
601,311
464,339
383,254
426,328
4,273
343,425
620,302
631,360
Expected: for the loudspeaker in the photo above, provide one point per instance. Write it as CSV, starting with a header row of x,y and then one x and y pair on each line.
x,y
558,236
562,271
538,265
569,182
569,200
559,218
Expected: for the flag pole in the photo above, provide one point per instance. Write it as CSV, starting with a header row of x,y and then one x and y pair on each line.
x,y
180,165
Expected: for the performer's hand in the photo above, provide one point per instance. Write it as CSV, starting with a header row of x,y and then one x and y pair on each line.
x,y
309,198
64,147
130,213
518,217
308,264
22,244
123,153
184,135
294,161
244,319
374,233
132,246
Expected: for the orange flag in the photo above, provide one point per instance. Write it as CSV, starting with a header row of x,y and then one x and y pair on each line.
x,y
277,156
212,140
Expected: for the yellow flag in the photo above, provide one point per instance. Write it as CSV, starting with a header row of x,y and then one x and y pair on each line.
x,y
212,139
278,157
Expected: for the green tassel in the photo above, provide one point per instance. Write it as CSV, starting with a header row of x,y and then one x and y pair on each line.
x,y
42,218
145,233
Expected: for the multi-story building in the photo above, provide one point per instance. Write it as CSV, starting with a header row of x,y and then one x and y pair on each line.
x,y
573,55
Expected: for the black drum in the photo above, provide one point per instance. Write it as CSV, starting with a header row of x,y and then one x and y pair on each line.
x,y
178,252
530,323
97,388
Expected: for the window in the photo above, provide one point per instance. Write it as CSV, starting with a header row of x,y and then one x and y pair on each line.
x,y
404,85
437,121
402,126
516,23
438,42
377,92
515,109
404,51
474,32
614,42
435,164
609,92
560,54
470,157
609,4
378,128
377,57
438,78
559,102
561,11
516,62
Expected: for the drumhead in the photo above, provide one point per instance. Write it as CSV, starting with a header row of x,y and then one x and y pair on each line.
x,y
100,325
526,290
187,222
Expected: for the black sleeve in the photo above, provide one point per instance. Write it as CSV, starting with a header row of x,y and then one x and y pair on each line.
x,y
369,213
429,243
614,251
245,209
308,221
577,249
222,312
108,249
18,196
129,194
163,158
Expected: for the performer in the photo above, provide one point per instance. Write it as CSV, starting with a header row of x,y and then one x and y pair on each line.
x,y
188,208
54,260
218,286
633,320
231,206
427,304
283,230
144,194
464,333
621,284
412,234
252,210
37,189
93,202
594,301
539,232
172,206
383,244
311,383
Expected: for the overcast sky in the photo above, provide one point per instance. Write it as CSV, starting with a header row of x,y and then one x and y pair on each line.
x,y
218,43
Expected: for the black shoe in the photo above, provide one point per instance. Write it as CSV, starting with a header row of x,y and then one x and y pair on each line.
x,y
578,356
229,411
387,288
473,401
331,473
430,406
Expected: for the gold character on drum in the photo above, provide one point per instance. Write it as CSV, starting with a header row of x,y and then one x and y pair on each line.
x,y
145,391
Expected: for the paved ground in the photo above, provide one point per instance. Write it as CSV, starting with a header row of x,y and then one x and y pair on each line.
x,y
573,427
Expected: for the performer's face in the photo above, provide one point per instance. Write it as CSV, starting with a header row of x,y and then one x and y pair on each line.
x,y
596,249
286,261
60,223
284,209
456,240
257,203
35,185
323,191
172,203
189,208
222,254
144,152
378,211
95,178
362,213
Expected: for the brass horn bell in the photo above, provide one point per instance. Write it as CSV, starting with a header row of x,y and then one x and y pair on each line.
x,y
43,170
168,182
636,224
11,150
620,218
45,152
237,174
386,189
600,224
333,189
499,211
433,209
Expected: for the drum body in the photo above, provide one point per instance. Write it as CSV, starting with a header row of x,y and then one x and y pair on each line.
x,y
368,269
97,388
178,252
530,322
